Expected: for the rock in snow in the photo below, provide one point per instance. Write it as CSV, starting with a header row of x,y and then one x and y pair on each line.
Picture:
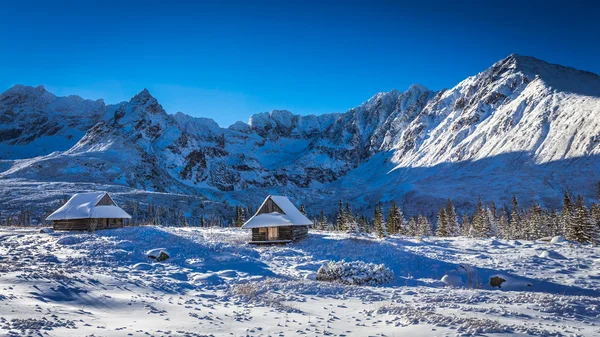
x,y
158,254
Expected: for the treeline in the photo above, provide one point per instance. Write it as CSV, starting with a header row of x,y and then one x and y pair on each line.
x,y
574,221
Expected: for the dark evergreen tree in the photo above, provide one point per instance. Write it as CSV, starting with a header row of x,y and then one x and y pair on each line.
x,y
503,225
581,228
322,221
413,228
515,221
340,221
378,222
424,226
567,215
452,219
302,209
442,223
392,223
466,228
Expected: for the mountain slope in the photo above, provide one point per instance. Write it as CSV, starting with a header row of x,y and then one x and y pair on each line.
x,y
518,127
35,122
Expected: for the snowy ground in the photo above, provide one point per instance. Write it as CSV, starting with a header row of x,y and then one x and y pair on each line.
x,y
103,284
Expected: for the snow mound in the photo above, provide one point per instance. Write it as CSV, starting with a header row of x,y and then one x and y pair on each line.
x,y
557,239
71,240
452,280
355,273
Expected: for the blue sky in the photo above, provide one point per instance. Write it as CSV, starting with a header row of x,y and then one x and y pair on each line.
x,y
229,59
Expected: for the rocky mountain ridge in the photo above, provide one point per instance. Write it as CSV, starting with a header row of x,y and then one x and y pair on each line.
x,y
521,113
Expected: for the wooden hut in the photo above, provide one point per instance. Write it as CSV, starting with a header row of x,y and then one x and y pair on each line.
x,y
277,221
87,212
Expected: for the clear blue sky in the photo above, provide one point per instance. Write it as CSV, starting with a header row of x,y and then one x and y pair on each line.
x,y
227,60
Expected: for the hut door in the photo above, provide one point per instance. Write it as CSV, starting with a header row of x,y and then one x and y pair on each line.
x,y
273,233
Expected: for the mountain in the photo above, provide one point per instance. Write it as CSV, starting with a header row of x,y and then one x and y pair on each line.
x,y
523,126
34,121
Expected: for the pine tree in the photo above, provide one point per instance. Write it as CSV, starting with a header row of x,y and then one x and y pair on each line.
x,y
515,220
424,226
378,222
442,223
503,225
581,228
413,228
322,221
203,221
554,226
596,215
351,223
364,224
452,219
466,228
391,222
340,221
567,216
481,221
536,226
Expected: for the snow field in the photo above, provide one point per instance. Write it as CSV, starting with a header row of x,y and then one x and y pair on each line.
x,y
103,284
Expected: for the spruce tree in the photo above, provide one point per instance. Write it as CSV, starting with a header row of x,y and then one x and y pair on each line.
x,y
465,226
378,222
322,221
581,228
340,221
567,216
413,228
536,225
596,215
503,225
554,226
302,209
350,220
452,219
481,221
515,221
442,223
392,223
424,226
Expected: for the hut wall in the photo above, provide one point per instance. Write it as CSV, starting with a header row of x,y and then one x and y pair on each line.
x,y
269,207
86,224
299,232
72,225
286,233
258,235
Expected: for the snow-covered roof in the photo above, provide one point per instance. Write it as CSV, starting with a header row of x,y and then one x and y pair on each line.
x,y
85,205
291,215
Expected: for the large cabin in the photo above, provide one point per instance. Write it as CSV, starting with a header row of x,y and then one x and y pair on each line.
x,y
88,212
277,221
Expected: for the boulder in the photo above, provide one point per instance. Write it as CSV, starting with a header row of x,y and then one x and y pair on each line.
x,y
158,254
496,281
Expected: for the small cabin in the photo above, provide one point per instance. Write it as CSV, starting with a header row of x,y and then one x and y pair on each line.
x,y
277,221
88,212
